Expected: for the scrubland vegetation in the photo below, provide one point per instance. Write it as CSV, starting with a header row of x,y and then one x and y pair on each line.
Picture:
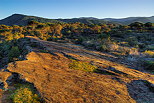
x,y
25,94
135,40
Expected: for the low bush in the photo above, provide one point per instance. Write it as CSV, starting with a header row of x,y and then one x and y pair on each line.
x,y
84,66
132,41
14,53
104,47
24,94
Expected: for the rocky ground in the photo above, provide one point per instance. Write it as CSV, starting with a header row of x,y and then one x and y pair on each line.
x,y
46,66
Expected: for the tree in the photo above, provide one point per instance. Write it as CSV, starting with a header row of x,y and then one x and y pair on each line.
x,y
137,25
148,24
13,53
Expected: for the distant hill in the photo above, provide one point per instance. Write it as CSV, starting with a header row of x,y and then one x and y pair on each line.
x,y
87,20
19,19
132,19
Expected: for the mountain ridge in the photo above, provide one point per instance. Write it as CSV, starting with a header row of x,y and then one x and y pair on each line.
x,y
129,20
21,19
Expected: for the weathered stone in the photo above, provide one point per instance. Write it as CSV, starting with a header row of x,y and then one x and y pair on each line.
x,y
50,74
56,83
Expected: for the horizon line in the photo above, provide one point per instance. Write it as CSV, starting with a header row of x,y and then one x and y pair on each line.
x,y
76,17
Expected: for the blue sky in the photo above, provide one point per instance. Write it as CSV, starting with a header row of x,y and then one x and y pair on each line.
x,y
77,8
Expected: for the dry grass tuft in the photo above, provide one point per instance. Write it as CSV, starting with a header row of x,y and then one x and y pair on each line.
x,y
24,94
84,66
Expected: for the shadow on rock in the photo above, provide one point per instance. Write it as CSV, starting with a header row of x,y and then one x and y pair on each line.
x,y
142,91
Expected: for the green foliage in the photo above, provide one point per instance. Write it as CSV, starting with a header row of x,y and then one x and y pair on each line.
x,y
105,44
25,94
103,47
132,41
100,36
149,65
150,47
80,39
13,53
136,25
84,66
44,51
104,36
148,24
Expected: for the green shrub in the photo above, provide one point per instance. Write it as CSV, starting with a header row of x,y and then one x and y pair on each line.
x,y
14,53
104,36
104,47
150,47
149,65
24,94
84,66
132,41
80,39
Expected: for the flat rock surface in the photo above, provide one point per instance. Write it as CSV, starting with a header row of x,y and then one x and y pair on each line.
x,y
50,74
57,83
